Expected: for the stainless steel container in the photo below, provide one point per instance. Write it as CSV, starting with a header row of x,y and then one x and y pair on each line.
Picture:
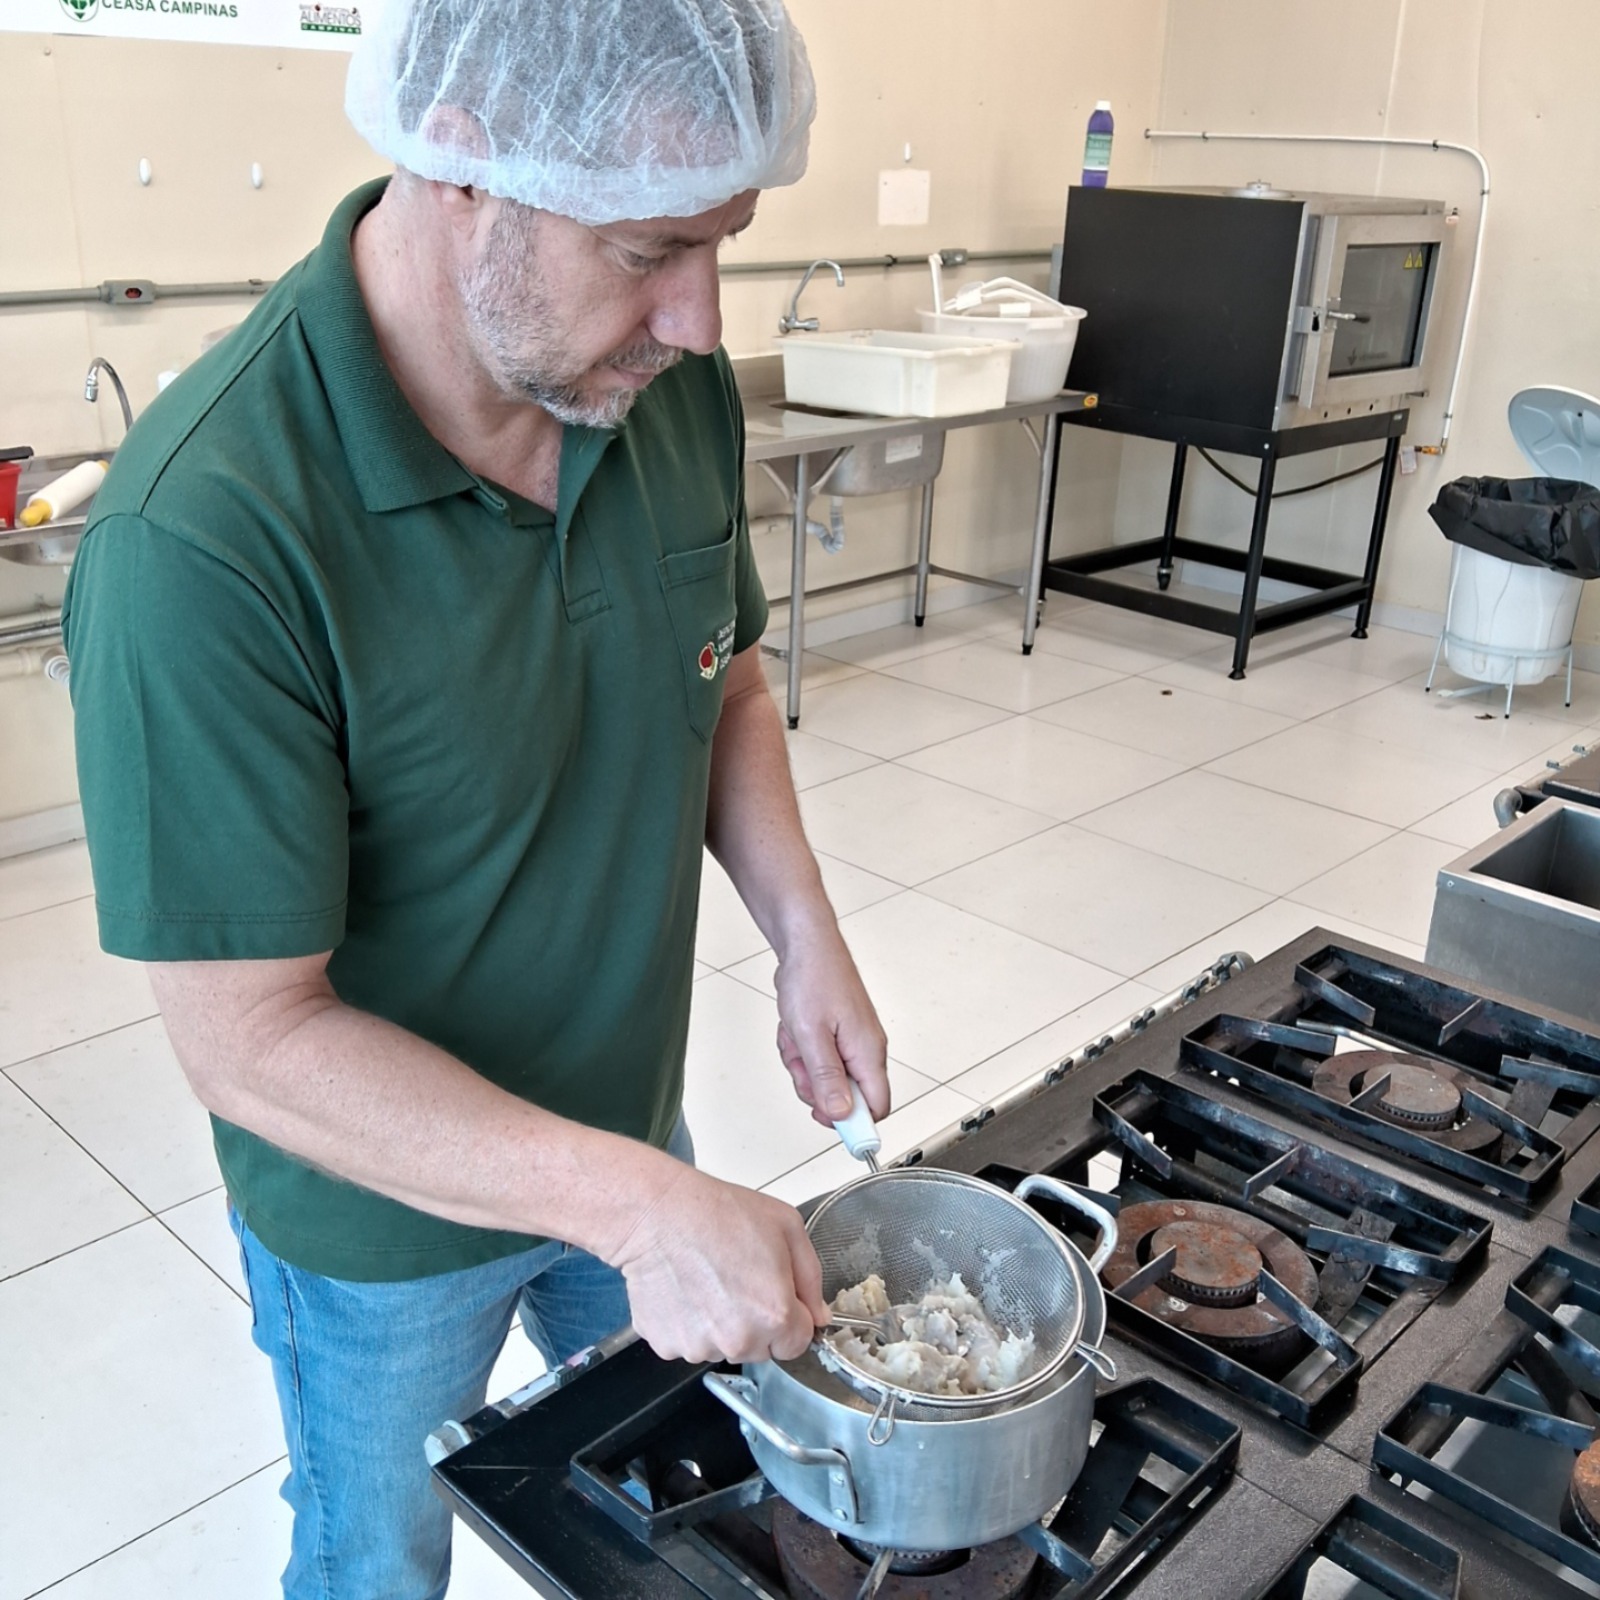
x,y
1521,911
934,1482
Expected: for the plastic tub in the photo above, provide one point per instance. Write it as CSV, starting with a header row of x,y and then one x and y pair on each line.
x,y
883,374
1044,344
1506,623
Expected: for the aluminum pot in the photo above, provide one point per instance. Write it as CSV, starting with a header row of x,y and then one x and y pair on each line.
x,y
932,1483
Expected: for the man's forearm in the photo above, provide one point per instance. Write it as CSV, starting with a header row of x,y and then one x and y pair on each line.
x,y
367,1101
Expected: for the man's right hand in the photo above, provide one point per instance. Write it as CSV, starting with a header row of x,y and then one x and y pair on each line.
x,y
717,1272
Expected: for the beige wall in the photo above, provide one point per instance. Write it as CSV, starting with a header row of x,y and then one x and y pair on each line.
x,y
1513,77
994,112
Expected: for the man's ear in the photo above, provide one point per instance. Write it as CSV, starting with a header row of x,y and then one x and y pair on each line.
x,y
458,130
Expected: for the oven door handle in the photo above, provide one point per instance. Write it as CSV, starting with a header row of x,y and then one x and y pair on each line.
x,y
739,1396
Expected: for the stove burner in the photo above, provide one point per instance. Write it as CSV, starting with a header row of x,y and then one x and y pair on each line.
x,y
1216,1264
1584,1494
818,1566
1422,1095
1211,1291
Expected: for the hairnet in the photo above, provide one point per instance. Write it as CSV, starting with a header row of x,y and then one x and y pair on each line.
x,y
601,110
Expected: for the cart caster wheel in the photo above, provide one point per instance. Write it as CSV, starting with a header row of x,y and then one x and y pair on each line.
x,y
794,722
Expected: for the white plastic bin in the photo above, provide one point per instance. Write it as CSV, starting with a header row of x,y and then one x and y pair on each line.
x,y
1044,331
885,374
1506,623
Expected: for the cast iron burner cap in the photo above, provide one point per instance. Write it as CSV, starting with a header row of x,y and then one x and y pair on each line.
x,y
819,1566
1216,1265
1585,1493
1212,1289
1422,1095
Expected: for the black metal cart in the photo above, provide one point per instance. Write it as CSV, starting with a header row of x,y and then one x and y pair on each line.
x,y
1083,574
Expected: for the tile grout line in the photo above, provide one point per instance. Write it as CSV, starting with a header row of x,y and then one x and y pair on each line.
x,y
49,905
55,1583
42,1055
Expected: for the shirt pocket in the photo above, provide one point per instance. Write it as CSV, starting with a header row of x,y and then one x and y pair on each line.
x,y
699,591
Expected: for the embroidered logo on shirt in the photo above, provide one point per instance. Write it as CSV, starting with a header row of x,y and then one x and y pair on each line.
x,y
715,653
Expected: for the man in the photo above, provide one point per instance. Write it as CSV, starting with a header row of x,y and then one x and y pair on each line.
x,y
414,656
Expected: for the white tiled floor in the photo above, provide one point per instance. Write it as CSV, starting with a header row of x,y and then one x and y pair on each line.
x,y
1022,853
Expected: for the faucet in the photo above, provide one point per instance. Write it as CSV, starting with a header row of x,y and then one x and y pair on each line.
x,y
91,387
791,321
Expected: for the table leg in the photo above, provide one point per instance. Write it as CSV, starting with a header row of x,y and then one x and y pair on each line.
x,y
1380,520
1041,529
1257,553
797,585
1180,454
924,551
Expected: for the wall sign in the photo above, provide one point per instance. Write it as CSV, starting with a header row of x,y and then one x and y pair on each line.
x,y
293,24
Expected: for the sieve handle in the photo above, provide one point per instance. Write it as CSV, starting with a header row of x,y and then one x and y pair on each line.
x,y
1085,1207
858,1132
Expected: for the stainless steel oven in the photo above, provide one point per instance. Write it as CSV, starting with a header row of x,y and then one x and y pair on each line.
x,y
1261,307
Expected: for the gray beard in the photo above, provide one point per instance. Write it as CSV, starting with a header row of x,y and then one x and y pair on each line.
x,y
569,405
512,318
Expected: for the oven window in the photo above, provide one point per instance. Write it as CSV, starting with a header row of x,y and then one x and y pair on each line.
x,y
1385,287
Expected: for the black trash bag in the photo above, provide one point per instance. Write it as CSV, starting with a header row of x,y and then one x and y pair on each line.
x,y
1532,522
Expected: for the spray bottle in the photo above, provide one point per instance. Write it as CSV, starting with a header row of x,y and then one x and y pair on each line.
x,y
1097,146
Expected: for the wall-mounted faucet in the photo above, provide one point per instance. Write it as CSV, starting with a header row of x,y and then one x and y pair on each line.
x,y
791,321
91,387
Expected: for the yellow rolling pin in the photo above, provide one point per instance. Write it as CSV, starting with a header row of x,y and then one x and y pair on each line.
x,y
68,492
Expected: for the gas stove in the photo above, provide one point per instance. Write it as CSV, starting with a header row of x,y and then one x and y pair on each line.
x,y
1354,1307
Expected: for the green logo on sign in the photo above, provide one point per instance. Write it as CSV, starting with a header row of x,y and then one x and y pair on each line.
x,y
318,18
80,10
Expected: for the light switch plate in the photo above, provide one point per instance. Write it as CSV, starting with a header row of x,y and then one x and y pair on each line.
x,y
903,196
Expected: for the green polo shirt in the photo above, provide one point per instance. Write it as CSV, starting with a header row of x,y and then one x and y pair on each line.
x,y
336,692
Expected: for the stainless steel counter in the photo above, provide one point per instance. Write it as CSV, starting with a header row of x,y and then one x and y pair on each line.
x,y
777,430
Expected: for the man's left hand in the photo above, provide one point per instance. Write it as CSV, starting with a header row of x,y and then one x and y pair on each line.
x,y
828,1031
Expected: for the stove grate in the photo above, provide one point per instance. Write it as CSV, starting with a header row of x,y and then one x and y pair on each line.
x,y
1370,1544
1471,1086
1534,1376
1378,1244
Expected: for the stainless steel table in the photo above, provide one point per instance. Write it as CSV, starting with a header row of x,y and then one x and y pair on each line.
x,y
778,431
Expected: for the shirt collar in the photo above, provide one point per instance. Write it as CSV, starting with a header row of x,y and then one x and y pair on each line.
x,y
395,461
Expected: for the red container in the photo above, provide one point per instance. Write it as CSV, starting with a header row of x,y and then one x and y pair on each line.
x,y
10,476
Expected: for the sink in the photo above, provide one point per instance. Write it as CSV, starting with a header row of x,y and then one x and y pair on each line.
x,y
884,465
880,466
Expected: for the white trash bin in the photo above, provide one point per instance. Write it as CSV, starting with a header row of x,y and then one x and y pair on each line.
x,y
1507,623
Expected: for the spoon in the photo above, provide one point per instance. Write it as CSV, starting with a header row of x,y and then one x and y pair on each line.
x,y
886,1329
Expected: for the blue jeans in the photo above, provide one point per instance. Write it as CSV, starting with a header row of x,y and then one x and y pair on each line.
x,y
366,1371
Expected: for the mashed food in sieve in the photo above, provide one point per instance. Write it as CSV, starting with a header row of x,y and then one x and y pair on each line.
x,y
949,1344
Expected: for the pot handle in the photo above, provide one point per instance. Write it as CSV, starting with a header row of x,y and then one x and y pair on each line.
x,y
1099,1360
1085,1207
739,1396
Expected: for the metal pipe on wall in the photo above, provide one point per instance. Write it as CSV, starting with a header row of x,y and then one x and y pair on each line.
x,y
45,629
1206,135
108,293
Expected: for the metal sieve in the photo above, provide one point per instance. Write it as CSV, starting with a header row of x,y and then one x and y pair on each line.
x,y
913,1226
